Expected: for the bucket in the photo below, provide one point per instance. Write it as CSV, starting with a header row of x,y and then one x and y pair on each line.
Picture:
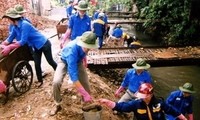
x,y
92,112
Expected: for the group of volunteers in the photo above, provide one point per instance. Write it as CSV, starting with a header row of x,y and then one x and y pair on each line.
x,y
80,37
23,32
112,37
139,97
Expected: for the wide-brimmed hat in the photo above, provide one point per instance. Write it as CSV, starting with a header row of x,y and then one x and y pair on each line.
x,y
19,8
145,90
82,5
88,40
11,13
141,64
187,87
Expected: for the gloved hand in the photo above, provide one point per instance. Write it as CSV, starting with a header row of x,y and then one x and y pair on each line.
x,y
190,117
85,94
2,87
64,39
7,49
107,103
118,91
182,117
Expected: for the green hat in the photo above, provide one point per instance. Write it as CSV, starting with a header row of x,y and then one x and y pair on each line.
x,y
141,64
88,40
82,5
11,13
19,8
187,87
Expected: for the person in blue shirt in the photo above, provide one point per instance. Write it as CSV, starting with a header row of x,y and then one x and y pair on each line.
x,y
78,23
117,32
30,36
116,37
182,101
134,77
146,107
99,28
69,8
71,62
20,10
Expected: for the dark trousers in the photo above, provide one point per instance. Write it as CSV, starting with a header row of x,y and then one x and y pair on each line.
x,y
37,55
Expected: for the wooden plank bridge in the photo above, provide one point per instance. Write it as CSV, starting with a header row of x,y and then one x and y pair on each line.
x,y
133,21
156,56
121,14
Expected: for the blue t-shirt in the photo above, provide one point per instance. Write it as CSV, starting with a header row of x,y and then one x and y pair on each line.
x,y
69,10
79,25
18,37
28,34
181,103
117,32
72,54
132,80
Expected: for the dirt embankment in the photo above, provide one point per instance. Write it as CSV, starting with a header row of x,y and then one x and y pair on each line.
x,y
36,103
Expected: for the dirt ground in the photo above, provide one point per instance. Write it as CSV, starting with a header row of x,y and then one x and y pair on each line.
x,y
36,103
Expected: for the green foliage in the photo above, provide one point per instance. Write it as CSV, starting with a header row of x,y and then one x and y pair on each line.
x,y
170,19
91,10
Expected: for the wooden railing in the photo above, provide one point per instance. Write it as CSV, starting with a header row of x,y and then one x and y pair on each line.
x,y
120,14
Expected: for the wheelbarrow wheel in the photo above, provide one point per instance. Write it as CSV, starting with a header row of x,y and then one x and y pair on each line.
x,y
22,77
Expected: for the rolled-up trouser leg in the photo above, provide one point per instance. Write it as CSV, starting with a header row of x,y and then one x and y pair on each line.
x,y
127,96
83,77
58,80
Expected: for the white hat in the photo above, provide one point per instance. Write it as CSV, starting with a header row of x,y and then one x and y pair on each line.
x,y
101,15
